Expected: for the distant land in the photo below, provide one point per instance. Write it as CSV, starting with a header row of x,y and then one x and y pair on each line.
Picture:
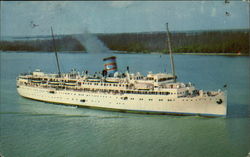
x,y
221,42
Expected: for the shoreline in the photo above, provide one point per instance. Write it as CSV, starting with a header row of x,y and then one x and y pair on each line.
x,y
216,43
124,52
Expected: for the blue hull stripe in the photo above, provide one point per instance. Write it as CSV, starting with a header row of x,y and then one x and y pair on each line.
x,y
179,113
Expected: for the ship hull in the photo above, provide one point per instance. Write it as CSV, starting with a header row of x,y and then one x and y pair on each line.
x,y
134,103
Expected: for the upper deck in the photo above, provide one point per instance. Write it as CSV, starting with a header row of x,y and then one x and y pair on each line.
x,y
160,84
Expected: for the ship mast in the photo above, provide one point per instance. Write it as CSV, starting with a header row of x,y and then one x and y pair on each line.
x,y
54,45
170,53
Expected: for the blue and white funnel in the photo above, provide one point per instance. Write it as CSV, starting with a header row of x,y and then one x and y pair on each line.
x,y
110,65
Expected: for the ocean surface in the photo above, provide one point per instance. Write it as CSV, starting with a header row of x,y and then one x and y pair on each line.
x,y
36,129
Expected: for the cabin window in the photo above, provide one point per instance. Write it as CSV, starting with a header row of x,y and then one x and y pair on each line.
x,y
52,92
82,100
160,99
125,98
162,79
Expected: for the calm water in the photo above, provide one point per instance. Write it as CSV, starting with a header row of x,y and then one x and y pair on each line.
x,y
31,128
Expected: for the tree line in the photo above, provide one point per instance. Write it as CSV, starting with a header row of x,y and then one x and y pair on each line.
x,y
64,43
233,41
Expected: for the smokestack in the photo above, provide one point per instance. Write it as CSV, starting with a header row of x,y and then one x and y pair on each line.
x,y
110,65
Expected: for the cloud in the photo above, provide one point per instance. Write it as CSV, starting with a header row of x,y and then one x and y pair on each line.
x,y
202,6
121,4
202,9
213,12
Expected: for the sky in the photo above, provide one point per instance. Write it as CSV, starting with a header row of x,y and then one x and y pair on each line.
x,y
71,17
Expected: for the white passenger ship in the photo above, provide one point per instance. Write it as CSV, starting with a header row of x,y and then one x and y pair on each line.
x,y
158,93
